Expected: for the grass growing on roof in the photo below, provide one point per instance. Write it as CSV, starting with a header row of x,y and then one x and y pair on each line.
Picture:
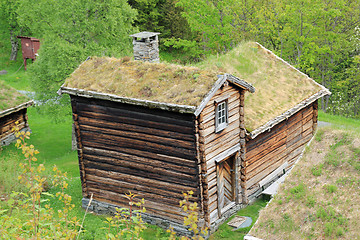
x,y
9,97
279,87
161,82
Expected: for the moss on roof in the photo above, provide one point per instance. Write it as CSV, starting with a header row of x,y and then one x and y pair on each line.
x,y
10,97
159,82
279,87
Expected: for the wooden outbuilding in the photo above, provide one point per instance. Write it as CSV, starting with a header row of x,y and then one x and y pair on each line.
x,y
159,129
29,48
13,108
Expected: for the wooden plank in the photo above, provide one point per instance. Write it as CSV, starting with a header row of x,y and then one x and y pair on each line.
x,y
138,122
137,136
125,186
231,128
191,181
142,145
266,161
140,180
149,196
220,192
134,128
135,112
155,208
162,163
211,129
142,166
266,148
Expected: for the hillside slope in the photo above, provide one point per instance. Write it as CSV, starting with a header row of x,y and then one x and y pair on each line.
x,y
320,197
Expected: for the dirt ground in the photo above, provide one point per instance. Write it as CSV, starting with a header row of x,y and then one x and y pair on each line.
x,y
320,197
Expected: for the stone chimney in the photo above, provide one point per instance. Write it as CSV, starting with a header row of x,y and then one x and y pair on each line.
x,y
146,46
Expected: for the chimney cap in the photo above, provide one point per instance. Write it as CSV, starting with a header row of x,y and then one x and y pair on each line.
x,y
144,34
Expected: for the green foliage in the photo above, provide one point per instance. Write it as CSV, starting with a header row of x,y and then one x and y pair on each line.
x,y
127,221
40,220
72,30
191,220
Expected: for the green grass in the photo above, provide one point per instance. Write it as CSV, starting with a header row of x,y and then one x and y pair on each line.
x,y
54,144
225,231
341,122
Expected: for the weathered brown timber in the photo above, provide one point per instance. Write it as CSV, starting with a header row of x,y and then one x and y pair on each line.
x,y
7,122
213,144
284,142
150,152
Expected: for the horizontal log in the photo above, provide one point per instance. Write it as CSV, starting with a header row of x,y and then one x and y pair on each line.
x,y
154,208
219,145
135,128
258,177
137,136
267,147
141,192
233,94
138,122
142,145
162,163
142,166
133,111
231,129
133,179
191,181
266,161
191,163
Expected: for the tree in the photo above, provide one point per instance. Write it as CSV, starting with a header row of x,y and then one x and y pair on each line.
x,y
9,16
71,30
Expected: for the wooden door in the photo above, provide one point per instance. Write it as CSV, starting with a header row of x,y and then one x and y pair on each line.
x,y
225,182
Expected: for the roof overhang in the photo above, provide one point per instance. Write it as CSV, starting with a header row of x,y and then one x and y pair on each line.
x,y
133,101
267,126
221,80
16,109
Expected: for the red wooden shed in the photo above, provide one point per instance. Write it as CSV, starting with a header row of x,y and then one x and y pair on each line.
x,y
30,47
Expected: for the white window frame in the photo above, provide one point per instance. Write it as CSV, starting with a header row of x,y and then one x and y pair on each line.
x,y
221,115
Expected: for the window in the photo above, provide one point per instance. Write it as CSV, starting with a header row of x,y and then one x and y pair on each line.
x,y
221,116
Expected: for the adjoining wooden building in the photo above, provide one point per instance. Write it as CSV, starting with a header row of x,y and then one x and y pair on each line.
x,y
158,130
13,108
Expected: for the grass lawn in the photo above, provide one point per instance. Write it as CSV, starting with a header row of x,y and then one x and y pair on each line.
x,y
54,144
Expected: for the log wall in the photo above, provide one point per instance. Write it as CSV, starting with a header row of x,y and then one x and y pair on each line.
x,y
283,143
212,144
8,122
150,152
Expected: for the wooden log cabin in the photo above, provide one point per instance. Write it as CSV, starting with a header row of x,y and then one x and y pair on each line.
x,y
159,130
13,108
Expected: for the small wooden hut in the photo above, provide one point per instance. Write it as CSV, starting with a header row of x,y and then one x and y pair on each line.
x,y
158,130
13,108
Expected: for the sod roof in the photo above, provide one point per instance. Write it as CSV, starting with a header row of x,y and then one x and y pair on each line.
x,y
279,86
10,97
159,82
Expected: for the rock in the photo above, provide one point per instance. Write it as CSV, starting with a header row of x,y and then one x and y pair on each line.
x,y
3,72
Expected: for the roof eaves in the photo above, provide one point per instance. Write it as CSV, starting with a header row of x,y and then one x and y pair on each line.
x,y
134,101
17,108
210,94
241,83
267,126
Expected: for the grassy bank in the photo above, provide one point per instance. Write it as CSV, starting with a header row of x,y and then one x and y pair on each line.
x,y
319,199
